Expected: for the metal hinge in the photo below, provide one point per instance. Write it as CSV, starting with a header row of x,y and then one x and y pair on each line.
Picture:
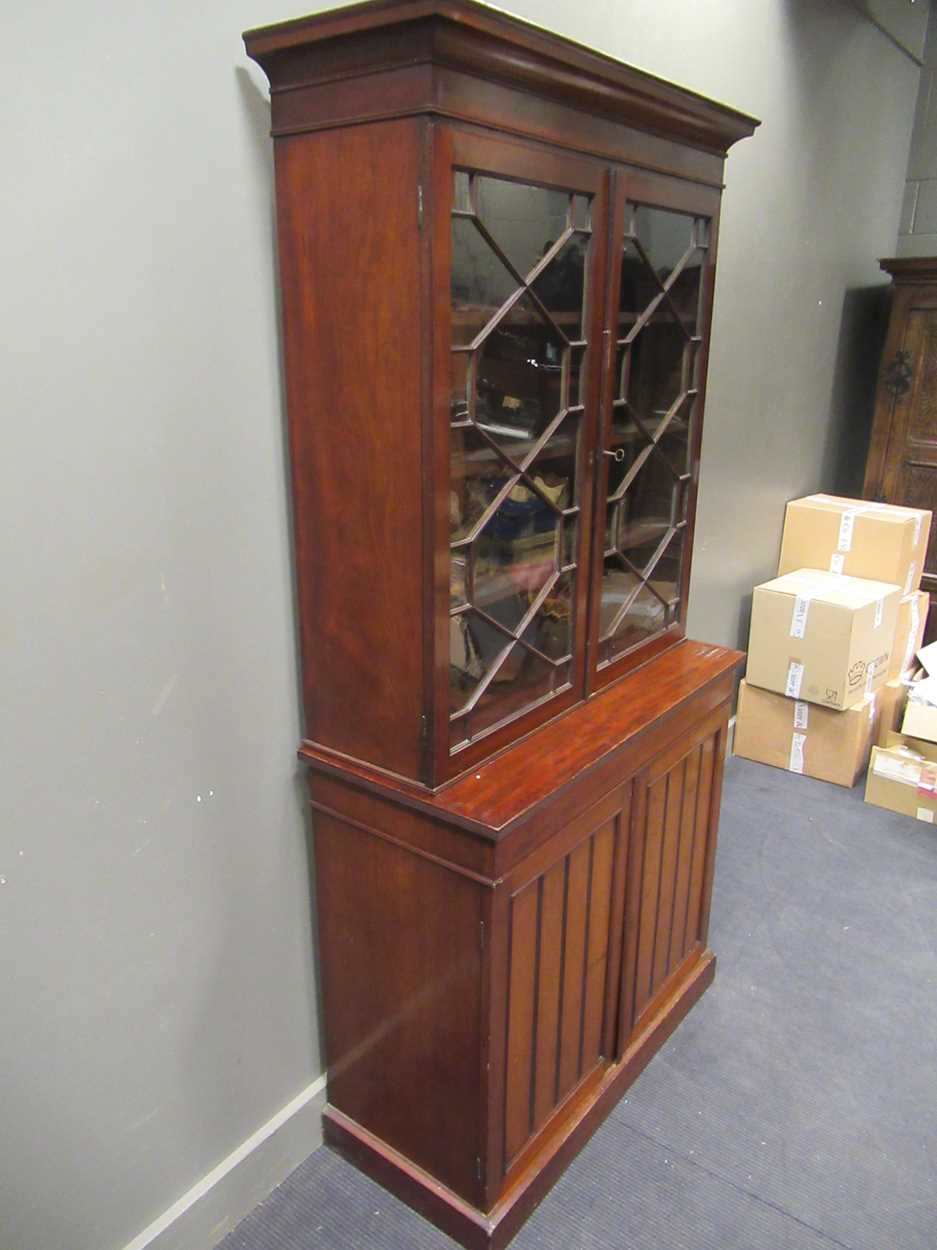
x,y
419,206
482,933
478,1167
424,729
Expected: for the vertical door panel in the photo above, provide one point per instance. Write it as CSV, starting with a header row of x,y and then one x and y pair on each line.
x,y
559,925
672,844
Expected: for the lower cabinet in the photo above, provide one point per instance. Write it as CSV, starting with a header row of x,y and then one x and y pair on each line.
x,y
488,999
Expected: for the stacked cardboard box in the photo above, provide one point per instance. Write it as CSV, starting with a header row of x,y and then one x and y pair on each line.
x,y
832,636
903,769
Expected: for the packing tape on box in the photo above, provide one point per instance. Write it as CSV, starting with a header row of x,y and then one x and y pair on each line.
x,y
800,714
879,612
847,523
795,675
909,580
837,562
796,762
911,644
918,522
799,616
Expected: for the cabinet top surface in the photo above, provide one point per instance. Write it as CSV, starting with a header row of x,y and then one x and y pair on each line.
x,y
496,795
529,53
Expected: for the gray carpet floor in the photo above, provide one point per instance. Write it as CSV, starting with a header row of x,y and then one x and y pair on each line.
x,y
794,1109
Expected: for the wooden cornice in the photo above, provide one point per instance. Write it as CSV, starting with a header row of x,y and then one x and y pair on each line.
x,y
907,269
473,38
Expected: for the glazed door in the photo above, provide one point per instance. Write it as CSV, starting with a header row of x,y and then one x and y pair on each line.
x,y
662,267
520,249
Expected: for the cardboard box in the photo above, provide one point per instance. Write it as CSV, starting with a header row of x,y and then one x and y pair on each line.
x,y
920,721
920,714
879,541
822,637
909,632
804,738
891,702
903,778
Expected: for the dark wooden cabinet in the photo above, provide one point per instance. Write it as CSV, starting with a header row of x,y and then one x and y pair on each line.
x,y
901,467
497,254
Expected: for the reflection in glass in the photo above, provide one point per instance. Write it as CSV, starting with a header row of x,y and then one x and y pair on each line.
x,y
515,555
519,375
476,474
480,281
461,200
525,221
561,284
665,236
655,371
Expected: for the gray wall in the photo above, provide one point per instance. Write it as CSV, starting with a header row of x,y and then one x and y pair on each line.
x,y
918,229
155,946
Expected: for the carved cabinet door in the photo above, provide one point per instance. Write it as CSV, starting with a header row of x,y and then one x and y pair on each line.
x,y
902,461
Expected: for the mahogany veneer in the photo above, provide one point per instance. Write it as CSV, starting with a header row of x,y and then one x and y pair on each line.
x,y
497,256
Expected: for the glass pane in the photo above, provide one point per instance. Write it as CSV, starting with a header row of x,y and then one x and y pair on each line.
x,y
647,615
647,508
460,191
480,282
525,221
654,370
515,555
477,473
466,668
665,236
685,294
519,375
580,215
522,680
674,443
576,365
550,631
630,443
459,397
561,286
458,570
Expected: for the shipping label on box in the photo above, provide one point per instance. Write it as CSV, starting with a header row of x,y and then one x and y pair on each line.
x,y
821,637
804,738
856,537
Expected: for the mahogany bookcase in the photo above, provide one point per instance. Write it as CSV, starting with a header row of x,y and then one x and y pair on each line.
x,y
497,253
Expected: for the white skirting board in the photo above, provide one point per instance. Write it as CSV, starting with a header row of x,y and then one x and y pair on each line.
x,y
221,1199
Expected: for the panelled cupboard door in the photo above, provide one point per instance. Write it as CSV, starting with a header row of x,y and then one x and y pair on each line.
x,y
519,280
674,815
661,273
560,967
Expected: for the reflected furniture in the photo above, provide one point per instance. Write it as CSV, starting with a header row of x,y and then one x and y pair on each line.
x,y
497,255
901,466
